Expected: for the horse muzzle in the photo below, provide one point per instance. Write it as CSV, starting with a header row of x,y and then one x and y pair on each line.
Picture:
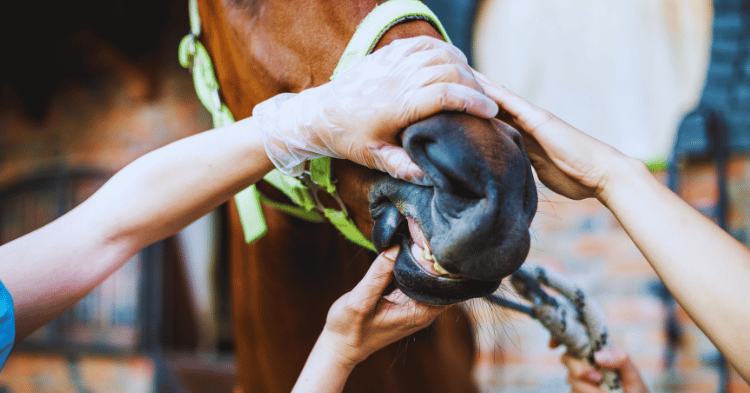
x,y
461,236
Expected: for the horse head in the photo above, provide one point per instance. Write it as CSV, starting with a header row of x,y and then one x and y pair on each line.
x,y
459,236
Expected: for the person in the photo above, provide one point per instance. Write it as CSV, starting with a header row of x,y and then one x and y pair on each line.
x,y
706,270
357,116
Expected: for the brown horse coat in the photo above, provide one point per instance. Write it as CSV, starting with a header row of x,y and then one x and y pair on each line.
x,y
284,284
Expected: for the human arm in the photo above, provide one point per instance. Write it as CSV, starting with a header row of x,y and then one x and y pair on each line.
x,y
706,270
585,378
158,194
359,323
405,81
50,269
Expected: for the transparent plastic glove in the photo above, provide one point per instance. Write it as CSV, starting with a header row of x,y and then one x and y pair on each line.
x,y
359,115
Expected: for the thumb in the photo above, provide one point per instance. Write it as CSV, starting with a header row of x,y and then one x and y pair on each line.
x,y
617,359
613,358
394,160
369,290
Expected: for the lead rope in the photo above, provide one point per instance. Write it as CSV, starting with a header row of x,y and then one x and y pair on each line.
x,y
573,319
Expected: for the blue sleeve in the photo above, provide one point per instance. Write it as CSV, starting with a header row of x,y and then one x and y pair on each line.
x,y
7,324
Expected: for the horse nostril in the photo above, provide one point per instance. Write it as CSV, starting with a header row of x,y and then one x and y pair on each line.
x,y
440,147
454,179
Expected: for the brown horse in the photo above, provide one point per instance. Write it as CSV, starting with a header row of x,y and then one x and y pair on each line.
x,y
475,218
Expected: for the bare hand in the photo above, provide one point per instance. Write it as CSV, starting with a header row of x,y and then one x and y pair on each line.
x,y
566,160
585,378
363,321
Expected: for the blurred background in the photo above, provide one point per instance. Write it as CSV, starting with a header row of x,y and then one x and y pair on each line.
x,y
88,86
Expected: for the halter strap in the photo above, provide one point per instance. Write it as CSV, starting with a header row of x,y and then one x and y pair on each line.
x,y
302,191
381,19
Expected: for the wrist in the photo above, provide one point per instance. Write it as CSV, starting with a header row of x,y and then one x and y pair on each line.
x,y
280,135
623,173
334,352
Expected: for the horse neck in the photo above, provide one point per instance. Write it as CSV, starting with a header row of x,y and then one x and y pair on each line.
x,y
274,47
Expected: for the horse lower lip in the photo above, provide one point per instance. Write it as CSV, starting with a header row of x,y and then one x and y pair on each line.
x,y
419,284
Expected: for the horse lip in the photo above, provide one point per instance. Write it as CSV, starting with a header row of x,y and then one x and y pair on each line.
x,y
391,223
387,223
389,207
415,282
412,259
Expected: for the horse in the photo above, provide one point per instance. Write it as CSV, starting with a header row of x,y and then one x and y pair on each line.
x,y
474,219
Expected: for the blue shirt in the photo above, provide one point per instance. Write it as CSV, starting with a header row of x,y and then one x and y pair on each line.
x,y
7,324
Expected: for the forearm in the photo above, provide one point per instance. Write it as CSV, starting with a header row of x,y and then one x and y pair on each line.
x,y
50,269
165,190
706,270
324,371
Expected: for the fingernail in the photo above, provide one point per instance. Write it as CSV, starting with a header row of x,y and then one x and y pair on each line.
x,y
492,108
603,358
419,178
391,253
594,376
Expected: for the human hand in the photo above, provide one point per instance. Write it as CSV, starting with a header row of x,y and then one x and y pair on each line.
x,y
567,161
585,378
359,115
363,321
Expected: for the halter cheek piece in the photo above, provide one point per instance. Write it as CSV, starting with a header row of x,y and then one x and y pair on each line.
x,y
303,191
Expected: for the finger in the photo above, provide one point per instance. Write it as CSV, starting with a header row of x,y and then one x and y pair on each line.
x,y
394,160
617,359
439,97
398,297
447,73
367,293
434,57
409,314
523,113
423,43
613,358
578,386
580,369
534,150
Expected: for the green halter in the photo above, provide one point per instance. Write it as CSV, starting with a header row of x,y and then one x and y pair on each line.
x,y
303,191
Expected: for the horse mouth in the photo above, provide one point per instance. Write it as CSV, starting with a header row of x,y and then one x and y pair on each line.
x,y
422,254
417,273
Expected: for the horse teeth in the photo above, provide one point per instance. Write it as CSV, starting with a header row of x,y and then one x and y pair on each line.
x,y
427,255
439,268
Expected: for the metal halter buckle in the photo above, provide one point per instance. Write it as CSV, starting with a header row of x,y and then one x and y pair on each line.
x,y
191,52
314,188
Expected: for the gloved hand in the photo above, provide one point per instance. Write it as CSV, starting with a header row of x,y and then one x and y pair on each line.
x,y
359,115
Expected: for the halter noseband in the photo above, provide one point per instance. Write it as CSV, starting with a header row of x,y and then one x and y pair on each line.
x,y
303,191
